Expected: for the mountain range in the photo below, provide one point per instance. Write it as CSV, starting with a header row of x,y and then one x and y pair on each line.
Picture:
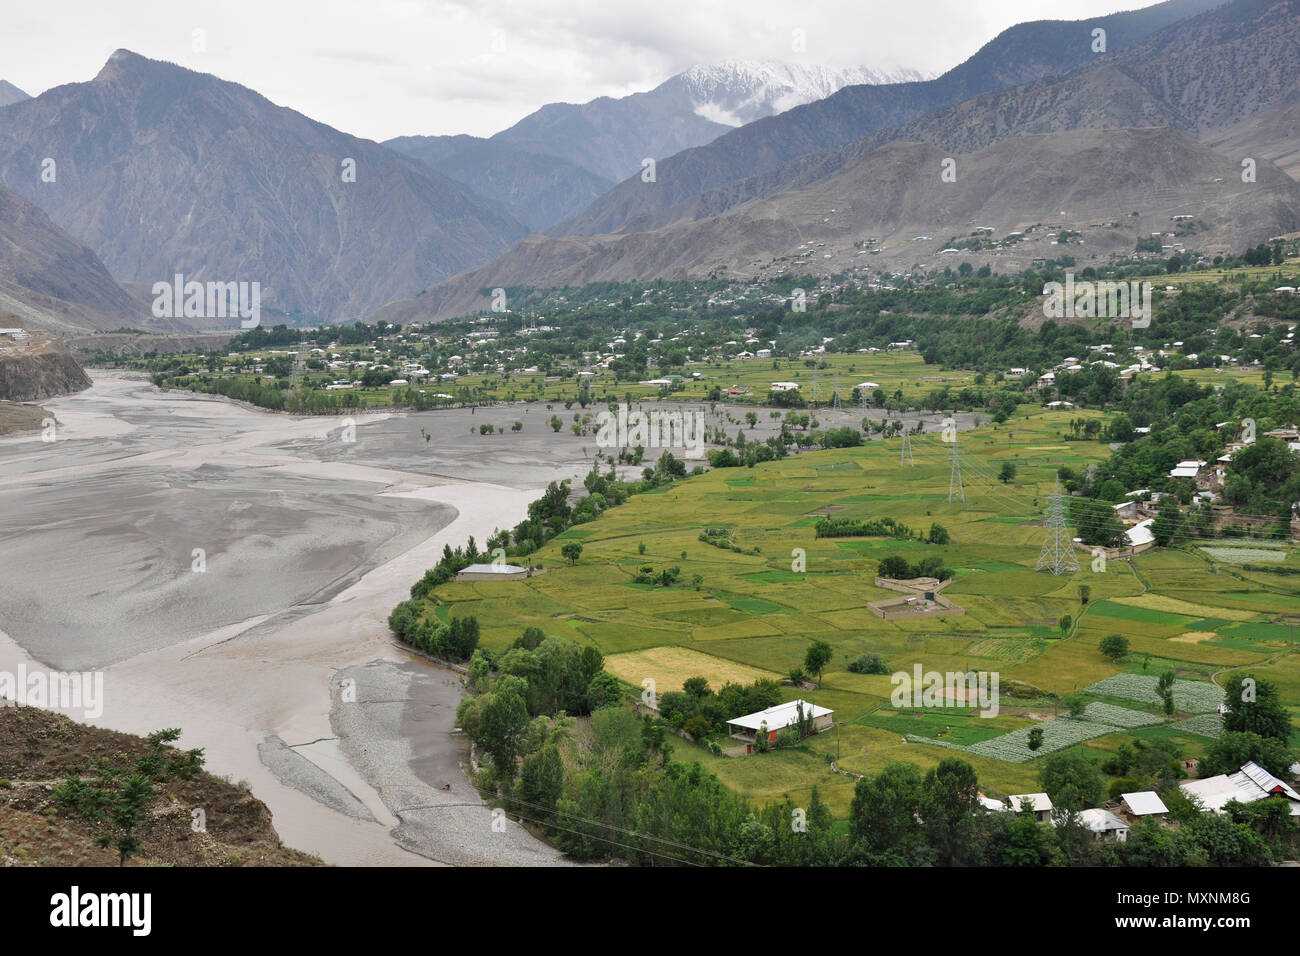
x,y
554,162
162,170
150,169
1223,74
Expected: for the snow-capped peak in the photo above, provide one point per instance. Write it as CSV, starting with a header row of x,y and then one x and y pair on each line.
x,y
737,92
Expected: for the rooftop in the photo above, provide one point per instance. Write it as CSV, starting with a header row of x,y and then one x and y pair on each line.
x,y
779,716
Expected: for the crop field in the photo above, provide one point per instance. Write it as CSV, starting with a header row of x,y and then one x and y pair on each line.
x,y
735,616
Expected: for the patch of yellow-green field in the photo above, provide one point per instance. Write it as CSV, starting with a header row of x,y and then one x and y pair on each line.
x,y
1159,602
669,668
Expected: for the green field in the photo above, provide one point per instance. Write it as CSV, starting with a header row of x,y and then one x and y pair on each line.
x,y
759,610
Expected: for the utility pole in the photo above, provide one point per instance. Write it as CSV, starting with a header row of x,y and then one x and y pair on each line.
x,y
906,454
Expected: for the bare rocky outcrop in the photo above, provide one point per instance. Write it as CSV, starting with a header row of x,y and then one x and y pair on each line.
x,y
38,368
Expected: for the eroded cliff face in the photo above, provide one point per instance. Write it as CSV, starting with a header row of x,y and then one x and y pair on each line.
x,y
36,368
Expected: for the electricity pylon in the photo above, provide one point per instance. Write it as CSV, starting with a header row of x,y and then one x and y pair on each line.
x,y
906,454
955,489
835,398
1058,554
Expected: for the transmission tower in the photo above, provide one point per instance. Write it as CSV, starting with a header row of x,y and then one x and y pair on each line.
x,y
1058,544
835,398
954,481
817,385
905,456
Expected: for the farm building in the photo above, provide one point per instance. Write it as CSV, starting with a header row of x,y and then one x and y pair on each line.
x,y
1252,782
1146,803
777,718
988,803
1040,805
1108,827
492,572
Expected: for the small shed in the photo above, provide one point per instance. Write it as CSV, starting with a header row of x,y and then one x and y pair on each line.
x,y
1040,805
1145,803
492,572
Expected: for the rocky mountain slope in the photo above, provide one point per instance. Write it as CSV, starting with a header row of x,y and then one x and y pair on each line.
x,y
891,210
11,94
48,280
163,170
36,368
1020,55
536,189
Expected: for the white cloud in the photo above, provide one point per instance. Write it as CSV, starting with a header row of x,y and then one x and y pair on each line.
x,y
394,67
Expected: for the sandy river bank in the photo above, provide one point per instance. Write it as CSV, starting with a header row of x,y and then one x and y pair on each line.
x,y
308,541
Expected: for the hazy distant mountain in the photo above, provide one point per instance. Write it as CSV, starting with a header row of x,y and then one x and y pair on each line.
x,y
549,166
1021,54
890,211
611,137
163,170
11,94
537,190
48,280
740,91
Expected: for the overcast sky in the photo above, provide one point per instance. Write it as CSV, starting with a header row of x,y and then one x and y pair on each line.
x,y
383,68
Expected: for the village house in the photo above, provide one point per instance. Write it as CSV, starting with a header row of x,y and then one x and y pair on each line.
x,y
1146,803
1252,782
1107,827
775,719
1040,805
492,572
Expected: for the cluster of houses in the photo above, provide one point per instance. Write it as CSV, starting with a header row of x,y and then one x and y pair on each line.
x,y
1114,821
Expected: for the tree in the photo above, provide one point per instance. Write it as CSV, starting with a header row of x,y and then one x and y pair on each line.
x,y
1008,472
697,687
572,550
502,725
1234,749
1253,707
1165,688
541,783
948,805
882,816
1035,738
1075,705
1168,518
1071,779
818,656
1085,593
1114,646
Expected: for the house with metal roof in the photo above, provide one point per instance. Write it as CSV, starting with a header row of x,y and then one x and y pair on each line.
x,y
775,719
1252,782
491,572
1040,805
1145,803
1108,827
